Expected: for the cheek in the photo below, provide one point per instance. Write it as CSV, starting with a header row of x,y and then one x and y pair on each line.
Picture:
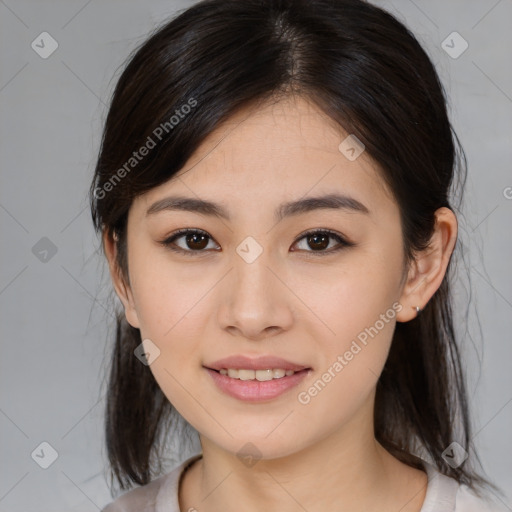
x,y
166,295
351,362
359,307
361,323
171,307
348,297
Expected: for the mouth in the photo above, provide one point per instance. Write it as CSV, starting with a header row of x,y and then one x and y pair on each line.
x,y
263,375
259,383
244,364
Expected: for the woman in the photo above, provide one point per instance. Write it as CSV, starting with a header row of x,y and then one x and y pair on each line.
x,y
273,193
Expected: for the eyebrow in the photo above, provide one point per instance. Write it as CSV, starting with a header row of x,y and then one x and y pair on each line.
x,y
298,207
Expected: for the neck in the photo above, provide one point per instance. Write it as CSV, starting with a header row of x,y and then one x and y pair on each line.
x,y
346,471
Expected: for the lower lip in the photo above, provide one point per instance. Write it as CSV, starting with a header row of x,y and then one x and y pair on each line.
x,y
255,390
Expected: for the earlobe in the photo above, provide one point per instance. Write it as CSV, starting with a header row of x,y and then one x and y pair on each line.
x,y
122,289
428,269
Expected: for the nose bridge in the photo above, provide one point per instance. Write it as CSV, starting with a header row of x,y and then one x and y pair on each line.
x,y
253,255
254,302
252,278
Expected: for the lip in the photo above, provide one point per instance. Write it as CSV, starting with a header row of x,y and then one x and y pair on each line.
x,y
255,363
254,390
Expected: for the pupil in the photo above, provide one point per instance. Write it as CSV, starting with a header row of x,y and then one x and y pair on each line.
x,y
191,241
316,244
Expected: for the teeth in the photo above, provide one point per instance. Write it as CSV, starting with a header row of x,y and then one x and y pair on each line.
x,y
261,375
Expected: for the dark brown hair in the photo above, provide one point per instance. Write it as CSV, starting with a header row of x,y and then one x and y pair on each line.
x,y
366,71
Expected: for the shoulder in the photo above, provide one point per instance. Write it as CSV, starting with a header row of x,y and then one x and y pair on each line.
x,y
141,498
445,494
152,496
467,501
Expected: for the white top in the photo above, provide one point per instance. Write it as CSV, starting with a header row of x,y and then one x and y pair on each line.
x,y
444,494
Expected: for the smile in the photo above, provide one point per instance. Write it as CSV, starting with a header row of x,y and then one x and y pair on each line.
x,y
256,385
260,375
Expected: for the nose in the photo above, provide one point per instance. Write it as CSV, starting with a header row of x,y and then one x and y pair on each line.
x,y
255,303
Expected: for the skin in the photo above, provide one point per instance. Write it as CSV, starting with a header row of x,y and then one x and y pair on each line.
x,y
295,304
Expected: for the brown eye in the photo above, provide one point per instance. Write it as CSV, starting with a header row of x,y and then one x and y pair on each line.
x,y
194,241
318,241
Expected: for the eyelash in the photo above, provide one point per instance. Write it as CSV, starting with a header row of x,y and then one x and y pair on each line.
x,y
343,243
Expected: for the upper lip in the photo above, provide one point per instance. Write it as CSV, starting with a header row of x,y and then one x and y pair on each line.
x,y
255,363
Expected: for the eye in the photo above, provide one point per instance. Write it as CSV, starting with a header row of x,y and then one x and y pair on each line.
x,y
195,241
319,241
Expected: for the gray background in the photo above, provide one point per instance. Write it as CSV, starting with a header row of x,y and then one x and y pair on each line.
x,y
56,308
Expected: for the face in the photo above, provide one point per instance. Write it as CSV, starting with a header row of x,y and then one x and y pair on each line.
x,y
318,286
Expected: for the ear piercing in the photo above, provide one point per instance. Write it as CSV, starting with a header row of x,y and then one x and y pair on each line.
x,y
418,310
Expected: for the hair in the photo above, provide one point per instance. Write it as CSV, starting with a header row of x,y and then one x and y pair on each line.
x,y
367,72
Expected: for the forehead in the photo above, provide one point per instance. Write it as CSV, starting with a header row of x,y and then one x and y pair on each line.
x,y
273,153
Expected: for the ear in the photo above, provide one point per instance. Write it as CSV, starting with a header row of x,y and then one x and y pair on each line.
x,y
427,271
122,288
